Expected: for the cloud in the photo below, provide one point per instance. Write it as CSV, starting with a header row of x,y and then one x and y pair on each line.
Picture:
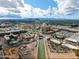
x,y
42,13
11,3
19,8
67,8
64,9
3,11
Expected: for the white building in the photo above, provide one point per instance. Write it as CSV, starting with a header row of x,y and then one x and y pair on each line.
x,y
72,42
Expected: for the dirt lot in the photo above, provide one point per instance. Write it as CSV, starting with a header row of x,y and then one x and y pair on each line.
x,y
35,50
52,55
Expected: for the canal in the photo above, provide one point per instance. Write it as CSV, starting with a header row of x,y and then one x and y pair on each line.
x,y
41,49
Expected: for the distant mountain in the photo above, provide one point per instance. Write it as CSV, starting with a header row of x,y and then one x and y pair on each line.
x,y
40,19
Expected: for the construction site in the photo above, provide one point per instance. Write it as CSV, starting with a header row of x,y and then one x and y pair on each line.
x,y
38,40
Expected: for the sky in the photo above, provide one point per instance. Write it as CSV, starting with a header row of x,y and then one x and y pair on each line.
x,y
43,4
21,9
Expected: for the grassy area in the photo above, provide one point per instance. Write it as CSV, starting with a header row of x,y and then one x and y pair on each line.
x,y
41,49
